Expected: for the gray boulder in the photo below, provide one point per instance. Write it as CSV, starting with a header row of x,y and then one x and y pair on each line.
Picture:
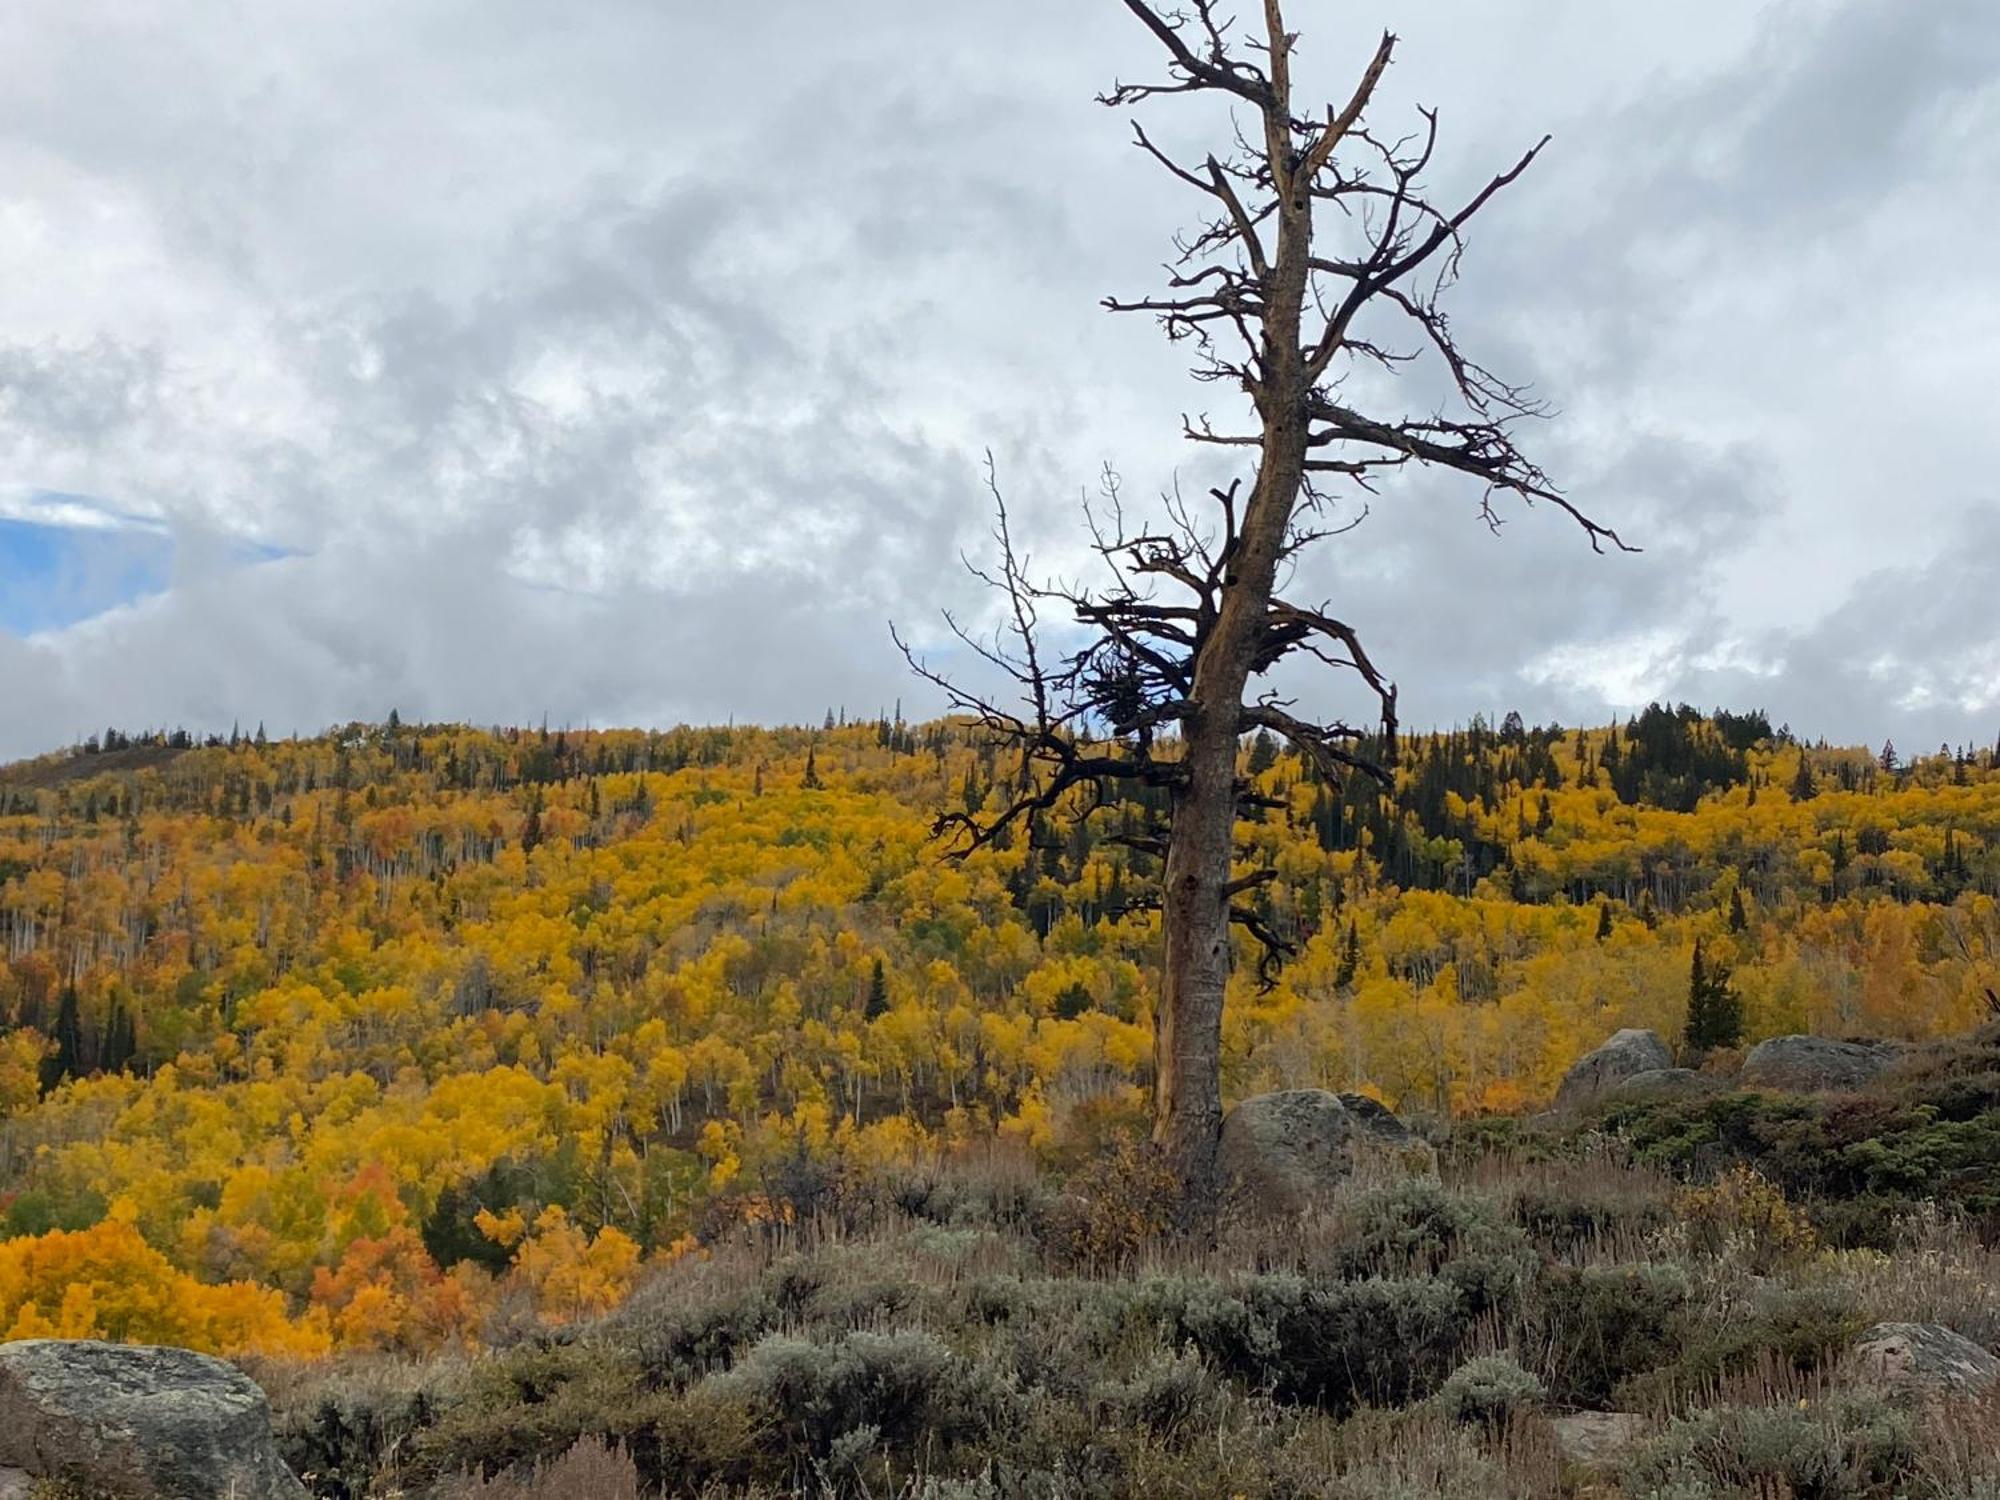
x,y
1814,1064
1595,1439
1595,1074
1375,1120
1281,1153
1925,1359
133,1422
1663,1083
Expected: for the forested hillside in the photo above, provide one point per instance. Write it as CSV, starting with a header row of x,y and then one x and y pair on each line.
x,y
395,1036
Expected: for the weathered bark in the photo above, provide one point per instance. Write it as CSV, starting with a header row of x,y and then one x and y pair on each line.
x,y
1194,913
1195,962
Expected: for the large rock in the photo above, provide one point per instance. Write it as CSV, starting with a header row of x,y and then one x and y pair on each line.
x,y
1925,1359
1375,1120
1595,1074
1813,1064
1663,1083
1281,1153
131,1422
1594,1439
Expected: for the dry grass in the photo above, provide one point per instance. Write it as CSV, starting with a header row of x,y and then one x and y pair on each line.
x,y
970,1331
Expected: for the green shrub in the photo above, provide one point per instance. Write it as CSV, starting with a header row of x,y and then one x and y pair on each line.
x,y
1378,1342
1420,1228
591,1470
902,1386
1492,1390
1163,1395
521,1406
1850,1448
1800,1330
1562,1219
1937,1136
1597,1326
340,1440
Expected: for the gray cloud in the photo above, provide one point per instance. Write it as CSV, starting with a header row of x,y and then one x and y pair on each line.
x,y
634,364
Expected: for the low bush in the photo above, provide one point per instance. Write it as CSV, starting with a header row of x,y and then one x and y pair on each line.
x,y
1595,1327
1745,1219
1378,1342
896,1386
1113,1207
591,1470
1848,1448
1491,1391
1782,1332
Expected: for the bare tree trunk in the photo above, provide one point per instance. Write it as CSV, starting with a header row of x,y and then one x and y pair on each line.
x,y
1194,918
1192,618
1195,904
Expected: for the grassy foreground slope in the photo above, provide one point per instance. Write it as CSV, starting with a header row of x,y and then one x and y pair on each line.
x,y
407,1039
1670,1275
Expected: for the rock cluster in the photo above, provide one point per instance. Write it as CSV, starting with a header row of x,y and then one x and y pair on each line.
x,y
1638,1064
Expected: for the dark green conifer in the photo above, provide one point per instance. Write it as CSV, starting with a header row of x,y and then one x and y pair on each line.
x,y
1715,1013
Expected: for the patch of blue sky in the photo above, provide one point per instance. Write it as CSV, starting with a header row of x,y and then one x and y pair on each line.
x,y
65,559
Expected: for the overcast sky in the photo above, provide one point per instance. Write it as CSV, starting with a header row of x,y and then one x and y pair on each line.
x,y
632,362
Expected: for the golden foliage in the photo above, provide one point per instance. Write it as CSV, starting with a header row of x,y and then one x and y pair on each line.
x,y
370,1035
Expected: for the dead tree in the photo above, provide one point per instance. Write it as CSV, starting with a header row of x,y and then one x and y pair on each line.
x,y
1155,677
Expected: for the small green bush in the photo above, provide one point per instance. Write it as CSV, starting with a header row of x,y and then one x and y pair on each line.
x,y
1598,1326
1163,1395
1420,1228
591,1470
1492,1390
902,1385
1562,1220
1850,1448
1378,1342
1799,1329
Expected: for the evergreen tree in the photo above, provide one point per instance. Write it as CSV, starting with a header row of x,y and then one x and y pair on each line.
x,y
531,830
1715,1012
1603,920
878,993
1805,786
1350,957
67,1059
810,781
1739,921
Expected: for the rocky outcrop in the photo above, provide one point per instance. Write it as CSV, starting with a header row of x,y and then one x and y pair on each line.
x,y
1281,1153
130,1422
1593,1439
1663,1083
1380,1136
1814,1065
1925,1359
1379,1124
1595,1074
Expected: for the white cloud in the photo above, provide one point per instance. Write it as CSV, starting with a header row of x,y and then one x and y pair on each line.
x,y
580,379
